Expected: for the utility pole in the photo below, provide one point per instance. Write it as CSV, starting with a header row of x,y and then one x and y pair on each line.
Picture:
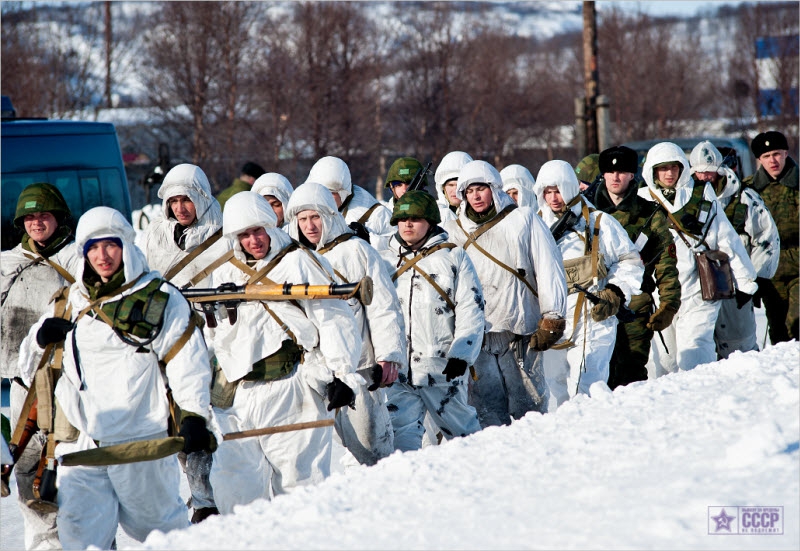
x,y
108,53
590,75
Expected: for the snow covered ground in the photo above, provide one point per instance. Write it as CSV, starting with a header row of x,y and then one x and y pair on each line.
x,y
644,467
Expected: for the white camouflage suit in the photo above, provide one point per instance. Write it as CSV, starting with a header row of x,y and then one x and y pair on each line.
x,y
333,173
693,325
163,254
435,333
366,430
574,370
251,468
736,327
27,285
520,178
114,394
511,379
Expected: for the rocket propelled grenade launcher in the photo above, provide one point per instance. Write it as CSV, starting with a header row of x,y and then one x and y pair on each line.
x,y
230,295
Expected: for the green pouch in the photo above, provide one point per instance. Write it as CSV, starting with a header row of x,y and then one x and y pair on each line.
x,y
277,365
140,313
222,391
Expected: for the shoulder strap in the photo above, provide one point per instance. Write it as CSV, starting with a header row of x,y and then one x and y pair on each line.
x,y
98,311
410,263
227,257
341,239
262,273
60,269
366,215
473,237
674,222
172,272
182,340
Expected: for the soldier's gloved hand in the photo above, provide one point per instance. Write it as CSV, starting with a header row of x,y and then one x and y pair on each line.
x,y
548,333
612,299
455,368
53,330
742,299
339,395
661,318
195,435
382,374
360,230
759,294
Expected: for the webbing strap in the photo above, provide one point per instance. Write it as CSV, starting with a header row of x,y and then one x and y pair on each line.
x,y
175,270
436,286
676,225
341,239
202,274
410,263
182,340
570,342
60,269
93,305
280,322
262,273
250,272
473,237
508,268
366,215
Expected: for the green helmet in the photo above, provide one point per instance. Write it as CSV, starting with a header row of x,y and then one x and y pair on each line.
x,y
403,170
589,167
41,197
416,204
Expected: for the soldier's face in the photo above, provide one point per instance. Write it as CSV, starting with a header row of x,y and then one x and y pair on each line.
x,y
183,209
668,174
514,194
398,189
617,182
774,161
255,241
413,230
105,257
552,196
450,187
277,207
309,222
479,197
706,176
40,226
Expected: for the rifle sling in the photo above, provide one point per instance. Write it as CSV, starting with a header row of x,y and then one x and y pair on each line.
x,y
364,217
176,269
341,239
676,225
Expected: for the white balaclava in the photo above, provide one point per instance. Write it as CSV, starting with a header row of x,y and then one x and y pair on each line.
x,y
248,209
448,169
190,180
520,178
562,175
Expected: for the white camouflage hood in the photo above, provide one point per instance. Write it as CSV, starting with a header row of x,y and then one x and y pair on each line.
x,y
190,180
333,173
316,197
705,157
520,178
274,184
448,169
481,172
248,209
562,175
662,153
105,223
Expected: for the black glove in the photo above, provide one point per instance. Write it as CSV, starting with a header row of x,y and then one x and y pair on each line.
x,y
360,230
340,395
455,368
53,330
742,299
195,435
376,374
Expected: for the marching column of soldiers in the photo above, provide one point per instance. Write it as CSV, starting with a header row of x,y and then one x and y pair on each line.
x,y
237,346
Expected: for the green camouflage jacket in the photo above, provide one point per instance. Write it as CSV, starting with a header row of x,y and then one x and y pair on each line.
x,y
237,186
647,226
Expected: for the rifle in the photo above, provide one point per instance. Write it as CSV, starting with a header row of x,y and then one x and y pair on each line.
x,y
420,179
591,191
230,295
563,224
624,314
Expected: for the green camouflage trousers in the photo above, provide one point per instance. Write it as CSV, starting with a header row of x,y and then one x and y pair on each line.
x,y
780,298
632,348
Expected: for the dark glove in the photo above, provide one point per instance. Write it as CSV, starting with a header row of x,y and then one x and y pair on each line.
x,y
548,333
455,368
376,374
360,230
742,299
53,330
195,435
609,305
662,318
340,395
763,282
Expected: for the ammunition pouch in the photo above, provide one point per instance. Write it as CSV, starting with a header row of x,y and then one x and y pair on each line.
x,y
141,313
277,365
738,217
222,391
579,270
